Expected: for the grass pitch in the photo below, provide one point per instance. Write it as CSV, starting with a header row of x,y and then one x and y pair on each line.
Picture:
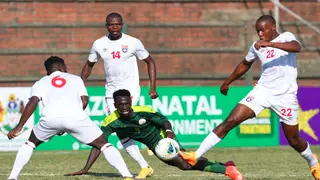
x,y
255,163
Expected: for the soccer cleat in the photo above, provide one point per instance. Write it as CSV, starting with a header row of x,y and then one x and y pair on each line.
x,y
189,157
144,173
128,178
315,170
150,153
232,171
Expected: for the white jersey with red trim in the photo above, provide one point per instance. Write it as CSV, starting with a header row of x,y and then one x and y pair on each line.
x,y
278,67
60,94
120,61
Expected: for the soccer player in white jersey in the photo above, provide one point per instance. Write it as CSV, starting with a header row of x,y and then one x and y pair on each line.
x,y
64,98
276,89
119,53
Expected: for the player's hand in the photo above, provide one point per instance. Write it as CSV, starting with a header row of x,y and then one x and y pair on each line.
x,y
260,44
224,89
170,134
153,94
14,132
78,173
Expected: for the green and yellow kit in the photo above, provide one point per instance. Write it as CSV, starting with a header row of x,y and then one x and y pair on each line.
x,y
145,126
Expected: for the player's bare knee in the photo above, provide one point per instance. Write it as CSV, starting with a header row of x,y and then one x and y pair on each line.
x,y
229,124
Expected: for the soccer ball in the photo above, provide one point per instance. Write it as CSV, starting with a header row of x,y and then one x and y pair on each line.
x,y
167,149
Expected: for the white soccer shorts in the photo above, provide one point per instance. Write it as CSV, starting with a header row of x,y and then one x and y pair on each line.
x,y
84,131
110,102
285,106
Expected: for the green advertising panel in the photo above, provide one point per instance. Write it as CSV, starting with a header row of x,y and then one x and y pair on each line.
x,y
193,112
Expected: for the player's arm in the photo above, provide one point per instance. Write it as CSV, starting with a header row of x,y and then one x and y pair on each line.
x,y
92,59
93,156
94,153
28,111
151,71
152,76
240,70
292,46
143,54
163,122
86,70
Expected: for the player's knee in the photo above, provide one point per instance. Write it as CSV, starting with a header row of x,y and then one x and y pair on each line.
x,y
31,144
127,141
104,147
229,124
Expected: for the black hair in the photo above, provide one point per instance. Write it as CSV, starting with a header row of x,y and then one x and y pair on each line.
x,y
114,15
267,18
121,92
49,63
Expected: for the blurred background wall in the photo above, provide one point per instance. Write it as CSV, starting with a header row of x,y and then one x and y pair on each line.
x,y
193,42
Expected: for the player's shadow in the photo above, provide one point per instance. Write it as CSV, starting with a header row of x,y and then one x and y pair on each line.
x,y
104,174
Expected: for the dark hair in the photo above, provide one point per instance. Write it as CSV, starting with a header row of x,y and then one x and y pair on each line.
x,y
114,15
121,92
51,61
267,18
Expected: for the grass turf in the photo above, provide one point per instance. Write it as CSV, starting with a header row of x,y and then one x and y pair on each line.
x,y
267,163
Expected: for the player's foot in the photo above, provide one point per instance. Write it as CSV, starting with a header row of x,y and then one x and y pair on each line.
x,y
232,171
144,173
150,153
189,157
315,170
128,178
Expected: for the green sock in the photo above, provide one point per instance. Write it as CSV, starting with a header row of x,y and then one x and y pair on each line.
x,y
215,166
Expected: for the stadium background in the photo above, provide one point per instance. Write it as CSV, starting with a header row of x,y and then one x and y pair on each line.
x,y
195,44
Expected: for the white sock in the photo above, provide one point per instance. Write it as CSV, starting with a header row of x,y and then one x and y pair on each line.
x,y
307,155
114,157
133,150
211,140
22,158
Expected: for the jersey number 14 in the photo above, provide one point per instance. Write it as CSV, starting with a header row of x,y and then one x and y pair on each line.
x,y
115,54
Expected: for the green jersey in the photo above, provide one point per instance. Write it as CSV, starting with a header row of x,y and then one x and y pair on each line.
x,y
145,126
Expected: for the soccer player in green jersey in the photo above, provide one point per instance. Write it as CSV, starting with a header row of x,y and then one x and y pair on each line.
x,y
147,126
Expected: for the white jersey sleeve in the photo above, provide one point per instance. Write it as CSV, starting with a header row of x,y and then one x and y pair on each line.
x,y
252,55
141,52
36,90
94,55
288,37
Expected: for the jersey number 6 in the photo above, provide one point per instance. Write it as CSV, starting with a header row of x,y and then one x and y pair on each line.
x,y
58,82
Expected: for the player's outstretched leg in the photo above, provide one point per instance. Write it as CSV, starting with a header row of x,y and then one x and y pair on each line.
x,y
229,168
133,150
239,114
302,146
23,156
